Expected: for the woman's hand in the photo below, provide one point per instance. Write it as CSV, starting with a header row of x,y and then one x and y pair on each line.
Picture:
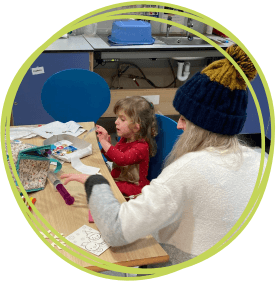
x,y
74,177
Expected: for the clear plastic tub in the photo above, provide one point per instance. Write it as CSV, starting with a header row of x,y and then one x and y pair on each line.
x,y
90,29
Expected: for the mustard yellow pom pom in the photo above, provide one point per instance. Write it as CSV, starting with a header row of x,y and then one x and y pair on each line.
x,y
225,73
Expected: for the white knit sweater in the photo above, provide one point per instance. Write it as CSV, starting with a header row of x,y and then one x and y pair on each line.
x,y
193,203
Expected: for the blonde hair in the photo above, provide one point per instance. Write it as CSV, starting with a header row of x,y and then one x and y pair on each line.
x,y
141,112
196,139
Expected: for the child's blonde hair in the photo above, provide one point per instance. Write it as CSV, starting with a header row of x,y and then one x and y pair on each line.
x,y
195,139
141,112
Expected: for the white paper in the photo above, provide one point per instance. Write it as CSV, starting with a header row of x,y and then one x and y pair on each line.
x,y
80,153
59,143
79,166
37,70
58,128
89,239
55,163
21,133
155,99
72,126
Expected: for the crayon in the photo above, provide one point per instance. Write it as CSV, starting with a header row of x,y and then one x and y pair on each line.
x,y
90,218
33,201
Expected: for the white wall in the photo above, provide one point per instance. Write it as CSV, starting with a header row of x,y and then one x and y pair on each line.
x,y
157,27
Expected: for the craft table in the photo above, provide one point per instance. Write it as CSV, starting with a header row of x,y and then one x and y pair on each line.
x,y
67,219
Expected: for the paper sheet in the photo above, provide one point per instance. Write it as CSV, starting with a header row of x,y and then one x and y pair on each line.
x,y
58,128
79,166
89,239
21,133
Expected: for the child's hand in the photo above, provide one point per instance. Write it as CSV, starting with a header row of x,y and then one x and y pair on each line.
x,y
74,177
102,134
101,131
104,137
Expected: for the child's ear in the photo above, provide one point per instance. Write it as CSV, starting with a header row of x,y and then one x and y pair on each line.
x,y
136,127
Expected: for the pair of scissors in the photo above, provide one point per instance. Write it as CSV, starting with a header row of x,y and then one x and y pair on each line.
x,y
91,130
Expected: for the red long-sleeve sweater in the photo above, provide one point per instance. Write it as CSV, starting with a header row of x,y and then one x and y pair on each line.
x,y
124,154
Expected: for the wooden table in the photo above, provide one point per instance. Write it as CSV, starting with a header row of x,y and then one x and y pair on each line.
x,y
67,219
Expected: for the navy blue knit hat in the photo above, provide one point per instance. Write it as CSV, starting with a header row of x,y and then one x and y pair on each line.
x,y
215,99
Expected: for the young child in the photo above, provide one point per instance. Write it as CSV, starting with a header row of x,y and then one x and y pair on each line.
x,y
137,127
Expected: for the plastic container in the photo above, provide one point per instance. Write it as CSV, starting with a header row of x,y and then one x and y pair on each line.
x,y
209,29
131,32
90,29
69,200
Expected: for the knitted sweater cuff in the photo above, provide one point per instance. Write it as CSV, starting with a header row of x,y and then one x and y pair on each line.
x,y
91,181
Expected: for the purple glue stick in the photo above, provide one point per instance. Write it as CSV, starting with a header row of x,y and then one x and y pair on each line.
x,y
69,200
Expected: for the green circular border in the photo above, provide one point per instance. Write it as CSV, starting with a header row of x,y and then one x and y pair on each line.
x,y
104,14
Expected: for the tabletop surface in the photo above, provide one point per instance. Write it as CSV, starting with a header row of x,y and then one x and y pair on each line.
x,y
67,219
72,43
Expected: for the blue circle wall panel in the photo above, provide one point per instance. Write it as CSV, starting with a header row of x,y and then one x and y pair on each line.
x,y
75,94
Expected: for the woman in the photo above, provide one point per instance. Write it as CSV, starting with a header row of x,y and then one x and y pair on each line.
x,y
208,177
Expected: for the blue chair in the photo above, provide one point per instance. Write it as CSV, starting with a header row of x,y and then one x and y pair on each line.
x,y
75,94
166,138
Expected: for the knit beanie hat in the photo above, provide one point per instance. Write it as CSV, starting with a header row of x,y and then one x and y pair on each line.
x,y
215,99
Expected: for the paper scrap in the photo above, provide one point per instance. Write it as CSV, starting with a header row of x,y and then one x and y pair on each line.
x,y
58,128
79,166
55,163
37,70
89,239
21,133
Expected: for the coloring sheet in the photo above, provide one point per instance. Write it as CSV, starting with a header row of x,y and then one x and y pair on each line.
x,y
89,239
63,147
